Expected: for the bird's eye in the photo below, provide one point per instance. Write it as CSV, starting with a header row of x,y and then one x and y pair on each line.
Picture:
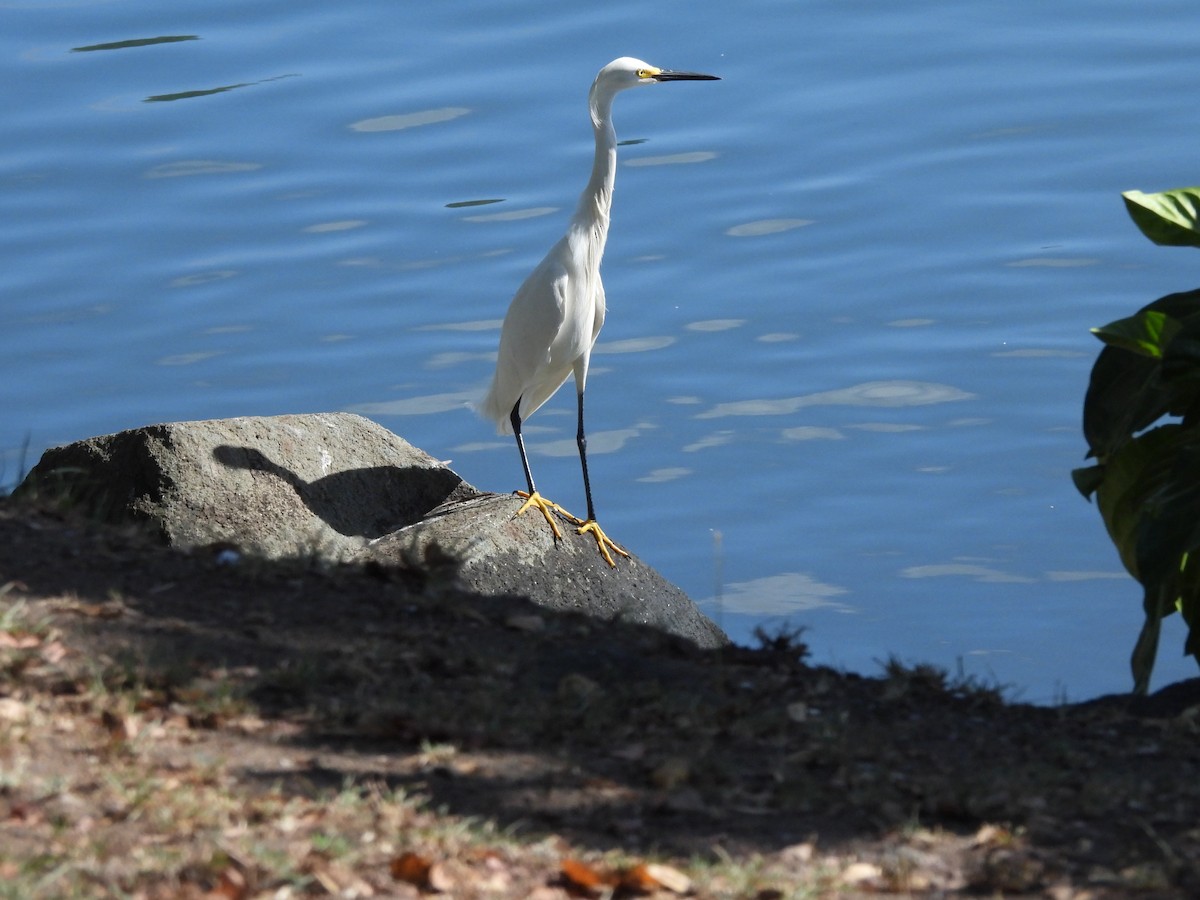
x,y
644,73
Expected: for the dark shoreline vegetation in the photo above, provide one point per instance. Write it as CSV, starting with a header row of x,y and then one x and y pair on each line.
x,y
1141,420
173,726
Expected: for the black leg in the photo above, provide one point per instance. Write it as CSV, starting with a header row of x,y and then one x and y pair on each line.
x,y
581,440
533,498
603,541
515,418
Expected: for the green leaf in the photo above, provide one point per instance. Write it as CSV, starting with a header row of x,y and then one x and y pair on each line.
x,y
1132,477
1147,332
1088,480
1169,218
1129,389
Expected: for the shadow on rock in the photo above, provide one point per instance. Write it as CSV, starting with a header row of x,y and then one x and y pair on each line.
x,y
368,502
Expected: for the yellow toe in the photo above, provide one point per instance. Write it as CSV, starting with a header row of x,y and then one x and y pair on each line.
x,y
603,541
547,507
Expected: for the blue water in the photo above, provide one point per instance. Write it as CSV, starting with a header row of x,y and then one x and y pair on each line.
x,y
849,285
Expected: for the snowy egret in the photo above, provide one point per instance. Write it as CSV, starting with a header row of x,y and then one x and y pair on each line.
x,y
556,314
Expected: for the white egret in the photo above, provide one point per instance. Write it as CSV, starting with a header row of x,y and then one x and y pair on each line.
x,y
558,311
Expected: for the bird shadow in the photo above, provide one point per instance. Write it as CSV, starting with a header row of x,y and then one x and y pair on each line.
x,y
366,502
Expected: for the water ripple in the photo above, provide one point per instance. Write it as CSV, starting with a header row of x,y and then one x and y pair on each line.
x,y
871,393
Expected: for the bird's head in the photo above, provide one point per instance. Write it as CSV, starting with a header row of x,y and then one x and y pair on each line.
x,y
628,72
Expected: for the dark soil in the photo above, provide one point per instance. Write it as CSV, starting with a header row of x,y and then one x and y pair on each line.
x,y
606,740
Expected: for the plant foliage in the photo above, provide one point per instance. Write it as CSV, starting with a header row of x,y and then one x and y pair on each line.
x,y
1146,480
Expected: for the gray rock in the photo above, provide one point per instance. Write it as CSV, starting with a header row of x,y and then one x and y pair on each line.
x,y
497,552
340,487
278,487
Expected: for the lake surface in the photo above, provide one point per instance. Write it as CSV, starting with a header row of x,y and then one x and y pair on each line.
x,y
849,285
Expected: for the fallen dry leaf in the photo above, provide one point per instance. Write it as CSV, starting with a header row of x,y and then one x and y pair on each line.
x,y
54,652
637,880
991,834
668,878
860,872
11,641
230,886
26,813
338,880
799,853
441,879
579,876
120,727
12,710
108,610
412,868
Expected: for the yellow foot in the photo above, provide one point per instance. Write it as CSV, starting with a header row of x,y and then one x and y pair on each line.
x,y
546,506
603,541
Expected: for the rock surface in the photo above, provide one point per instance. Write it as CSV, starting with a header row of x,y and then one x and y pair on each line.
x,y
500,553
285,486
342,488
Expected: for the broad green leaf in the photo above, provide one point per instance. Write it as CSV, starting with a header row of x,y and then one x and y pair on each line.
x,y
1088,480
1147,332
1133,476
1123,397
1169,218
1151,503
1128,389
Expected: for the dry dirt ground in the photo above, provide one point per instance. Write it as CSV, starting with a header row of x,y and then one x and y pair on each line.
x,y
180,725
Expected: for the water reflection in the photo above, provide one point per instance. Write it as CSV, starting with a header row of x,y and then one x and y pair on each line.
x,y
598,442
1048,262
458,357
409,120
327,227
417,406
137,42
460,204
766,226
716,439
203,277
871,393
414,265
887,427
207,92
672,159
715,325
1063,576
982,574
189,167
812,433
200,92
475,325
187,359
634,345
1037,353
779,595
658,476
513,215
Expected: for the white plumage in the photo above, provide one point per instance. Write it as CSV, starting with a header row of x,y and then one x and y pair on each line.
x,y
557,313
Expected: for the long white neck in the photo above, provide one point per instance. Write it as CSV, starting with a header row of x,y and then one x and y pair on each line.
x,y
596,200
